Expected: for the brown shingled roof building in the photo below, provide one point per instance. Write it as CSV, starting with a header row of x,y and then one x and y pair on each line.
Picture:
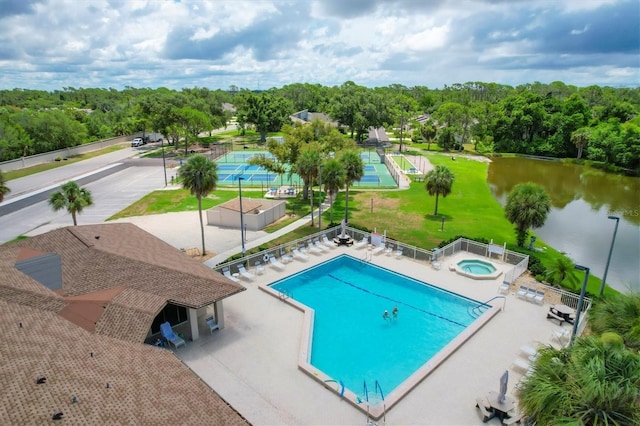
x,y
78,304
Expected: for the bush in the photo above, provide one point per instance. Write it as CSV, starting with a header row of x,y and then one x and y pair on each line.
x,y
535,266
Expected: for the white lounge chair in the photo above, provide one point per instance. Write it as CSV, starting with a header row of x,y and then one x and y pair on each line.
x,y
539,297
378,249
299,255
531,294
227,273
388,250
244,273
275,263
259,268
504,287
327,242
562,336
522,292
398,252
312,248
362,243
319,245
521,364
528,350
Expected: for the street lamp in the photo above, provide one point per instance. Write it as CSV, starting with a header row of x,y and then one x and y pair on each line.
x,y
241,215
320,199
580,301
613,240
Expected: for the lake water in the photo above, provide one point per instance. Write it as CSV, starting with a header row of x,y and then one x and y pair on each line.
x,y
582,198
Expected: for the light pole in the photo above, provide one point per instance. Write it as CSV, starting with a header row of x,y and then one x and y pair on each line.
x,y
241,215
613,240
580,302
320,198
164,164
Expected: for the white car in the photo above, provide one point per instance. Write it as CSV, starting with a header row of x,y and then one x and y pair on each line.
x,y
137,142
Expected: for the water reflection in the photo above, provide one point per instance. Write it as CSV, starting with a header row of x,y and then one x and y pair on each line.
x,y
581,199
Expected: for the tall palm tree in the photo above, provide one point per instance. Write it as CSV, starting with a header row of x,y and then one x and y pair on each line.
x,y
354,170
71,197
308,166
528,206
439,182
333,178
595,381
199,176
4,189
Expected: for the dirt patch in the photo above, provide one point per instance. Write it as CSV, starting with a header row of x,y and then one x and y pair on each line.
x,y
196,253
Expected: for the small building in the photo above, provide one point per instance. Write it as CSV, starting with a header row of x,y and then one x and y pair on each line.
x,y
257,213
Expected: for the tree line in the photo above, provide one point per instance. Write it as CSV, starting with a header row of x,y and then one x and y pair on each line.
x,y
596,123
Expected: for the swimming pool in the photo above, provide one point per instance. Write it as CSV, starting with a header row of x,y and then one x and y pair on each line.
x,y
477,269
352,344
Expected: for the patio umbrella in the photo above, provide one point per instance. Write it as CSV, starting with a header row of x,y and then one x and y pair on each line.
x,y
504,380
342,228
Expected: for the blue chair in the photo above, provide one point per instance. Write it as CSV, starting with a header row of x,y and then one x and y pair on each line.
x,y
167,333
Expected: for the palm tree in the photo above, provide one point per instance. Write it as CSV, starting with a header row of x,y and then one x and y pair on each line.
x,y
71,197
595,381
308,166
562,269
527,206
4,189
199,176
333,178
580,138
439,182
354,170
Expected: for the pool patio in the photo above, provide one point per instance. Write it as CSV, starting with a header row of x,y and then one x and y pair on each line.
x,y
253,362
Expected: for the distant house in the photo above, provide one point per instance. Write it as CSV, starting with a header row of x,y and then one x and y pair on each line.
x,y
305,116
77,304
257,213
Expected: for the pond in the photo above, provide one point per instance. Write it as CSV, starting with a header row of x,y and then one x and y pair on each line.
x,y
582,198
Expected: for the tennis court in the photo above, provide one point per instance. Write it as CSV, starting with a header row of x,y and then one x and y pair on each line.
x,y
233,165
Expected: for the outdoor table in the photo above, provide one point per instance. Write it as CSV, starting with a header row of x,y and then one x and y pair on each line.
x,y
564,311
501,409
345,240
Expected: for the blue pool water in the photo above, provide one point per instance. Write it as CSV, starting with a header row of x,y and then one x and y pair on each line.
x,y
353,343
477,267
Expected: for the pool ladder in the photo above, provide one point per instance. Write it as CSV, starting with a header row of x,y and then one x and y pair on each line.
x,y
478,310
368,257
377,388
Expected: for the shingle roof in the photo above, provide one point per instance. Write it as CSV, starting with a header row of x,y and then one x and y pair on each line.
x,y
147,385
115,278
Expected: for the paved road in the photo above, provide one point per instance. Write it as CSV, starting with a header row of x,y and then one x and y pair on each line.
x,y
115,181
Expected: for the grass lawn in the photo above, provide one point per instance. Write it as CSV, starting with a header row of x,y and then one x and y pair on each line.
x,y
27,171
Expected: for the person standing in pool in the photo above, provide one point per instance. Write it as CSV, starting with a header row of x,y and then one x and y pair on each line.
x,y
395,312
385,315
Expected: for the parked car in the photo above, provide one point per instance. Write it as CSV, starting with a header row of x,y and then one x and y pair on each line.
x,y
137,142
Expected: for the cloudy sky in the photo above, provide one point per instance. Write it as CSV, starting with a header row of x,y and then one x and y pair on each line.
x,y
259,44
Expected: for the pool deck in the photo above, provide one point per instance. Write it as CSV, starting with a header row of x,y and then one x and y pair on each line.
x,y
253,362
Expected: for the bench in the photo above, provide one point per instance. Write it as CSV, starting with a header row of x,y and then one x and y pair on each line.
x,y
552,315
517,418
484,409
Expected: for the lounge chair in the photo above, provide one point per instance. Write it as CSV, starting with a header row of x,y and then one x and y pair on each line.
x,y
286,257
531,294
539,297
528,350
398,252
484,408
213,325
562,336
388,250
298,255
319,245
521,364
378,249
436,265
170,336
275,263
504,287
244,273
227,273
362,243
522,292
259,268
312,248
327,242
